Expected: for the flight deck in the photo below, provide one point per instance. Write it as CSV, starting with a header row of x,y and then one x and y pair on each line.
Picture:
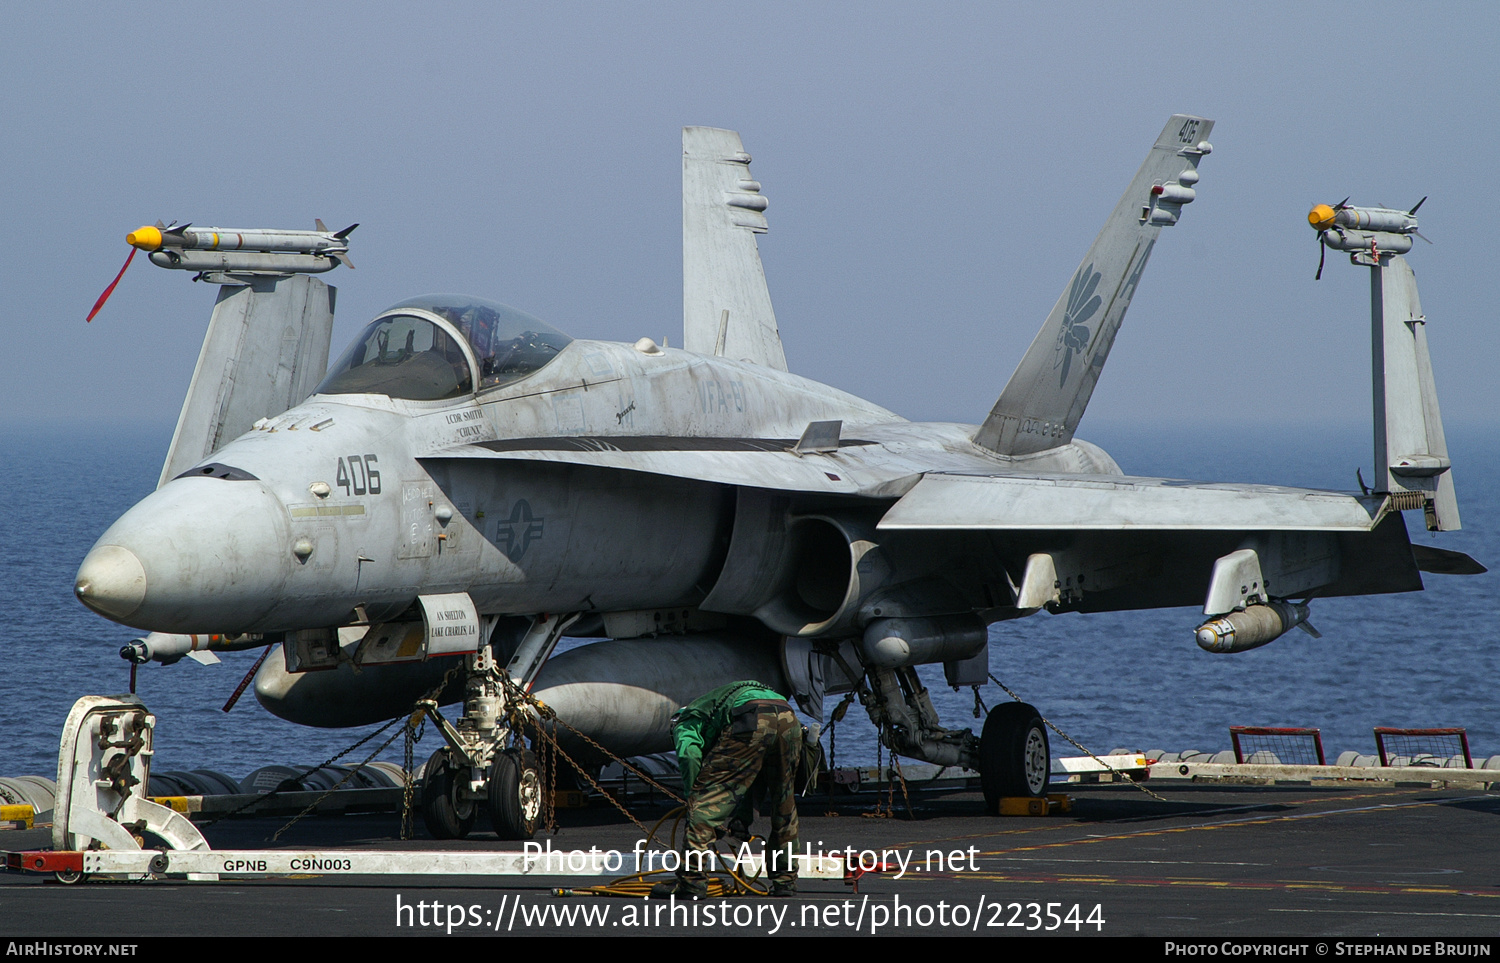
x,y
1208,859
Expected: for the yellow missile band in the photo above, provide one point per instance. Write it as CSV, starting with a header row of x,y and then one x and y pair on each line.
x,y
145,238
1320,216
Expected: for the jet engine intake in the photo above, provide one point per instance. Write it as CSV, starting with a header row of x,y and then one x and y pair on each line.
x,y
819,588
800,575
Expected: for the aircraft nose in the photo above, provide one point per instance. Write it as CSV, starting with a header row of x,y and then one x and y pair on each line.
x,y
198,555
111,581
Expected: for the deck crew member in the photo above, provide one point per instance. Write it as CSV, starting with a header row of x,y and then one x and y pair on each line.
x,y
726,739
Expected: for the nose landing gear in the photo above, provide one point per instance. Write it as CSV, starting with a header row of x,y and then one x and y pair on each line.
x,y
483,764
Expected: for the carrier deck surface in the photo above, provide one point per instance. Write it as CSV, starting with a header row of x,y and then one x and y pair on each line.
x,y
1211,860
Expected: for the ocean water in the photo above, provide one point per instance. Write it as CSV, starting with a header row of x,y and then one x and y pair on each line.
x,y
1132,680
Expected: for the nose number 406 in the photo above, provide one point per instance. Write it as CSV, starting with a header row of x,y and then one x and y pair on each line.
x,y
357,475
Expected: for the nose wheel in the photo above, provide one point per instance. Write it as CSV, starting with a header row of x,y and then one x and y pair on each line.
x,y
515,794
1014,755
447,810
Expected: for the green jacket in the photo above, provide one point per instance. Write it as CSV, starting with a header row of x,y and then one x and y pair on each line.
x,y
697,725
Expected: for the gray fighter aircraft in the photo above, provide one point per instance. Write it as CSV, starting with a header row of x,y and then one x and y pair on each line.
x,y
466,482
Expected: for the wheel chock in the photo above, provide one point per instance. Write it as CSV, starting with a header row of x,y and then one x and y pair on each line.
x,y
1036,805
17,816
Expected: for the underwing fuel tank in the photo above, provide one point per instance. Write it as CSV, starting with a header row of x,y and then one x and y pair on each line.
x,y
620,693
1251,628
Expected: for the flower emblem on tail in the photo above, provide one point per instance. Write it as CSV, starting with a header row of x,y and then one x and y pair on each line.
x,y
1082,303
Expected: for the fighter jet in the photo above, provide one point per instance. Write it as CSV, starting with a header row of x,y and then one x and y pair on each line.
x,y
466,483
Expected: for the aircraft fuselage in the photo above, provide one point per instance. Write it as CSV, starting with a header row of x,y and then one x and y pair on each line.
x,y
358,500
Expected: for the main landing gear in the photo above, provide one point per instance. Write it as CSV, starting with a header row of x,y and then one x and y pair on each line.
x,y
1012,754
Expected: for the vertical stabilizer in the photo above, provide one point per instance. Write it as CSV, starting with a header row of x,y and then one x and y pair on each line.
x,y
1044,400
726,308
1411,454
265,351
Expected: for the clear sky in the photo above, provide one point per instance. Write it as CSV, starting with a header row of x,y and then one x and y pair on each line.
x,y
935,173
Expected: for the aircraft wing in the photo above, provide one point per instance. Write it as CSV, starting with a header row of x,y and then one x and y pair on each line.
x,y
1012,501
959,497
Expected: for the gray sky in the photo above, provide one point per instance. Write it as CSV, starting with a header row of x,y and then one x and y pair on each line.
x,y
934,175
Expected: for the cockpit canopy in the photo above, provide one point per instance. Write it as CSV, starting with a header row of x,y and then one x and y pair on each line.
x,y
405,354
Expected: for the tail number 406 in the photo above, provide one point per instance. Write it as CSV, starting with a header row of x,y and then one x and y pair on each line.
x,y
358,475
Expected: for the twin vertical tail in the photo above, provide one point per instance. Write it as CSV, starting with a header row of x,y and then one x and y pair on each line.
x,y
1045,399
726,307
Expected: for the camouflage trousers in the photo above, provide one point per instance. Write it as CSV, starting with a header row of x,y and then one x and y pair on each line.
x,y
766,750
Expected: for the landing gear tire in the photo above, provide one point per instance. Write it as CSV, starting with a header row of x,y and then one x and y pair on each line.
x,y
1014,757
446,810
515,794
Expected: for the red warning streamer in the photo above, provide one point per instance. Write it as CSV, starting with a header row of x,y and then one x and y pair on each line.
x,y
111,289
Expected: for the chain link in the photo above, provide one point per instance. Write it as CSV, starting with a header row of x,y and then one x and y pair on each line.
x,y
543,710
416,726
409,774
348,776
896,763
292,785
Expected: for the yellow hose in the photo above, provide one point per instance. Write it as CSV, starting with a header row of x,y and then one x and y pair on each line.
x,y
638,885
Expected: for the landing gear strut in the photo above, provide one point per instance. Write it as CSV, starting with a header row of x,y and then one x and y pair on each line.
x,y
1012,755
902,710
483,764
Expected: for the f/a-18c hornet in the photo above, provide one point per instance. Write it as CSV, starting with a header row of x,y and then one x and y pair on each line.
x,y
466,482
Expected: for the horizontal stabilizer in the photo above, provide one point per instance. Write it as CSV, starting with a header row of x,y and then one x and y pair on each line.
x,y
1045,399
1442,561
1119,502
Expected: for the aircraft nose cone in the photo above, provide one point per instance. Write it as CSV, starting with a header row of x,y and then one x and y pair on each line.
x,y
197,555
111,581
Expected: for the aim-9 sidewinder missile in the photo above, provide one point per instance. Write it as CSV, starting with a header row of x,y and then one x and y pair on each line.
x,y
216,252
1346,228
234,249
